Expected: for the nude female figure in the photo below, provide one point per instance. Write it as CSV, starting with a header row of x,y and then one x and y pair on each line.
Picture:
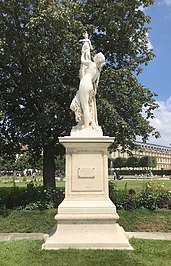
x,y
84,103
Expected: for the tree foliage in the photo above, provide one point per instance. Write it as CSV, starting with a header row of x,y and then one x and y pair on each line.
x,y
121,34
40,57
144,161
7,165
38,71
24,161
119,162
148,161
132,161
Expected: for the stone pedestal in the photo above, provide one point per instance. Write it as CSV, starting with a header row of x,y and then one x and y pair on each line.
x,y
87,217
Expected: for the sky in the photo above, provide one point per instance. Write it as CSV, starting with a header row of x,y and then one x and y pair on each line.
x,y
157,75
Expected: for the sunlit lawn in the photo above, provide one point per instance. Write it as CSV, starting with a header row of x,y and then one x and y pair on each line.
x,y
9,181
145,253
25,221
137,185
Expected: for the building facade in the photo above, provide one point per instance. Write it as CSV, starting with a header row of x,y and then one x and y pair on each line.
x,y
161,153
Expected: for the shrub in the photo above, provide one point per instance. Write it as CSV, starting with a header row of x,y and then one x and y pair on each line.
x,y
13,197
147,201
38,198
164,200
123,199
39,205
148,196
151,197
32,197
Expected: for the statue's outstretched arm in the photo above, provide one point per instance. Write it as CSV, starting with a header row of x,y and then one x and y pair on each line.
x,y
83,61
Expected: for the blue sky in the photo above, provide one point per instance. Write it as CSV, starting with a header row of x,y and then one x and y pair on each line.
x,y
157,75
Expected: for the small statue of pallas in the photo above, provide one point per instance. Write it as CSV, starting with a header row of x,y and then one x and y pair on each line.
x,y
84,103
86,48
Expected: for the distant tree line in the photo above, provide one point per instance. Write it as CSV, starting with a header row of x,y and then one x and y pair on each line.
x,y
134,162
26,161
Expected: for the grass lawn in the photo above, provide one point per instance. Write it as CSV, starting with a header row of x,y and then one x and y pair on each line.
x,y
23,221
20,221
134,184
145,253
144,220
137,185
9,183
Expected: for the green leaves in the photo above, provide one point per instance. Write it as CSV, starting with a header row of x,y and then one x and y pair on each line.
x,y
148,161
39,70
121,100
38,40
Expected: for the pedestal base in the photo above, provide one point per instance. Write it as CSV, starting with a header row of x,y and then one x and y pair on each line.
x,y
94,228
88,236
87,217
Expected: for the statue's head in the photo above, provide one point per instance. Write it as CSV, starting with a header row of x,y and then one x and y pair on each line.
x,y
99,59
85,34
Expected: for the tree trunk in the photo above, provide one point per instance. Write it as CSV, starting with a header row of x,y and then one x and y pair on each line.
x,y
48,167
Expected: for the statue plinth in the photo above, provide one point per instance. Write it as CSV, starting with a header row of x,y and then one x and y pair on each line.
x,y
80,131
87,217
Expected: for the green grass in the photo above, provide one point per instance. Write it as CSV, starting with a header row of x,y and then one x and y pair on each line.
x,y
145,253
137,185
7,182
131,184
144,220
20,221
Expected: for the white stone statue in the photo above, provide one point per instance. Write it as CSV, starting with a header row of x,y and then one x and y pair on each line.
x,y
84,103
86,48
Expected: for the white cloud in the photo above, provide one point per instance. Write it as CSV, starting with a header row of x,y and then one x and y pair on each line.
x,y
167,2
162,123
141,8
150,46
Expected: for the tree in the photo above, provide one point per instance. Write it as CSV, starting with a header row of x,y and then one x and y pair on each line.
x,y
6,165
154,162
147,161
119,162
40,57
38,71
25,161
121,34
132,161
22,163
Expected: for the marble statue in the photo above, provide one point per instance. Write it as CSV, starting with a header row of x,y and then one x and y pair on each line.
x,y
86,48
84,103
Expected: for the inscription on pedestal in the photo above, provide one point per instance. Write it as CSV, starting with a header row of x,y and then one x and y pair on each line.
x,y
86,172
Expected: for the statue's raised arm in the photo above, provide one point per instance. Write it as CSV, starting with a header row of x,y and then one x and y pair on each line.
x,y
85,52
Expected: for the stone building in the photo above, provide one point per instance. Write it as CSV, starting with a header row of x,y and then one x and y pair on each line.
x,y
162,154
